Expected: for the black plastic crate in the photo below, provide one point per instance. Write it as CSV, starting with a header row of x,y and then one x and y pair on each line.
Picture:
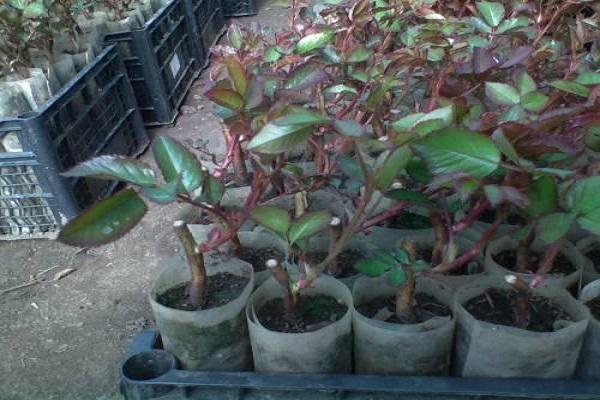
x,y
96,113
151,373
209,23
239,8
162,60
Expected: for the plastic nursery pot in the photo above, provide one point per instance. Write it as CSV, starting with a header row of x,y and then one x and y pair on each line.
x,y
258,241
489,350
145,366
589,360
569,251
212,339
590,267
403,349
326,350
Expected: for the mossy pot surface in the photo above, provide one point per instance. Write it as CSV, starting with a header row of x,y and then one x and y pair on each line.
x,y
214,339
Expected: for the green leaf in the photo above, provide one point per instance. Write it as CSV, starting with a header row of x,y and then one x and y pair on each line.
x,y
177,162
417,170
274,218
341,88
534,101
234,36
492,12
115,168
330,54
424,124
589,78
359,54
502,94
375,266
543,196
376,96
571,87
392,166
479,24
163,194
18,4
349,127
255,94
314,41
514,113
351,168
526,84
34,10
285,133
306,76
212,190
237,75
226,98
583,197
513,23
409,196
308,225
505,146
105,221
453,150
272,54
554,226
498,194
396,277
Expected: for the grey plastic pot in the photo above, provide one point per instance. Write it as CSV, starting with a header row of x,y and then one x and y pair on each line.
x,y
569,251
415,349
215,339
589,360
326,350
488,350
589,273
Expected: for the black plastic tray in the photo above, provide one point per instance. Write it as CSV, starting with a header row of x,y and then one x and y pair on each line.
x,y
95,113
239,8
162,60
151,373
209,24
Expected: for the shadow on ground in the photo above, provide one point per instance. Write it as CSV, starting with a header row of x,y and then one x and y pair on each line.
x,y
65,339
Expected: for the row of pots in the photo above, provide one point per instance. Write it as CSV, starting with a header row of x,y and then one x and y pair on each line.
x,y
232,338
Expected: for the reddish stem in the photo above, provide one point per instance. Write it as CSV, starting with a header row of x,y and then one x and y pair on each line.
x,y
473,216
474,251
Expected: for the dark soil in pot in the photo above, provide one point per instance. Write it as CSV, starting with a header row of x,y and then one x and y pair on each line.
x,y
346,261
222,288
594,306
409,221
508,259
594,256
259,257
497,306
312,313
425,308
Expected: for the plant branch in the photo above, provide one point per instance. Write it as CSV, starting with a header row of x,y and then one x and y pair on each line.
x,y
195,259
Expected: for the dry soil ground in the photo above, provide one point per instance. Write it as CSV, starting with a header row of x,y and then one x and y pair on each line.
x,y
65,339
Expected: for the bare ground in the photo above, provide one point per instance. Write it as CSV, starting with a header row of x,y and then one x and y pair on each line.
x,y
65,339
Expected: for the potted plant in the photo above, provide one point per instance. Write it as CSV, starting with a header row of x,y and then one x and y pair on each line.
x,y
588,361
295,328
199,309
403,323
